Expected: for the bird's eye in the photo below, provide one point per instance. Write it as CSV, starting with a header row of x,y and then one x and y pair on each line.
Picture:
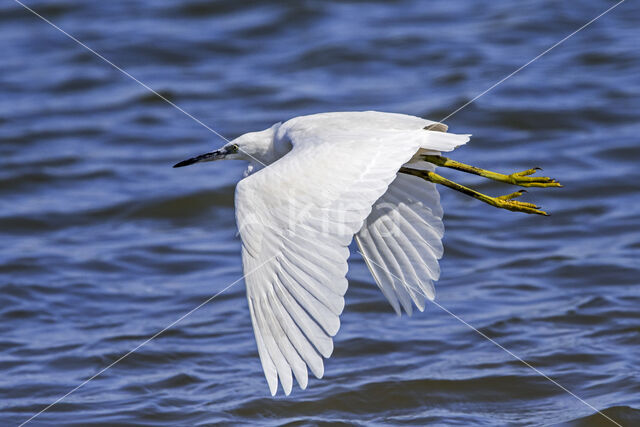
x,y
234,148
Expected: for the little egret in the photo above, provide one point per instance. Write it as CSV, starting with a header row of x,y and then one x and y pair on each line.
x,y
313,183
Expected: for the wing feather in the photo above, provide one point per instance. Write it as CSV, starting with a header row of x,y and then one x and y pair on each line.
x,y
282,341
314,333
275,353
374,260
396,243
406,229
329,321
268,366
321,294
302,345
391,265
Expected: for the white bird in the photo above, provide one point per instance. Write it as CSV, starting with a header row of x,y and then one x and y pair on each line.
x,y
313,183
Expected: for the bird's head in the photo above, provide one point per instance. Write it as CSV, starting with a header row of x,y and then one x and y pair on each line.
x,y
251,147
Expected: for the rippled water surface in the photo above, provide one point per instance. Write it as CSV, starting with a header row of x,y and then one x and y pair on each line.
x,y
104,244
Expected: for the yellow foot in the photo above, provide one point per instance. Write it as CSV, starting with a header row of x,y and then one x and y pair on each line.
x,y
507,202
524,180
503,202
519,178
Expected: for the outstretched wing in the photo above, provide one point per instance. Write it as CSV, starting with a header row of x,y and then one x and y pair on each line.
x,y
401,240
296,219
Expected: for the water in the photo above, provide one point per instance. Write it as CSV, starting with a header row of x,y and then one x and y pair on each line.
x,y
103,244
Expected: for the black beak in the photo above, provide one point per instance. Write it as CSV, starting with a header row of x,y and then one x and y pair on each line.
x,y
207,157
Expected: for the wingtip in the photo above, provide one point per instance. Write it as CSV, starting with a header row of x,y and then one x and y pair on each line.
x,y
273,384
303,384
320,373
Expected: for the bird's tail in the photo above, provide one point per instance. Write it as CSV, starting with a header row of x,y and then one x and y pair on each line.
x,y
441,141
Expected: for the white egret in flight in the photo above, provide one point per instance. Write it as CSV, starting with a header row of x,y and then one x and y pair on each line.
x,y
313,183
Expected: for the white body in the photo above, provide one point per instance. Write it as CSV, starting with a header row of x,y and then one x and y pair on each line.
x,y
330,177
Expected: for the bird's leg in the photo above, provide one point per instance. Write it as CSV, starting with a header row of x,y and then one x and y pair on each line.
x,y
518,178
503,202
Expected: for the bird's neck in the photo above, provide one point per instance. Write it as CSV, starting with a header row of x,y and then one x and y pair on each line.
x,y
273,147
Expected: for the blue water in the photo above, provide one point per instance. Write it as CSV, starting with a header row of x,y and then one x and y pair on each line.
x,y
104,244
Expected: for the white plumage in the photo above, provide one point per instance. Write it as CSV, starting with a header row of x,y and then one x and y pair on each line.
x,y
330,177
